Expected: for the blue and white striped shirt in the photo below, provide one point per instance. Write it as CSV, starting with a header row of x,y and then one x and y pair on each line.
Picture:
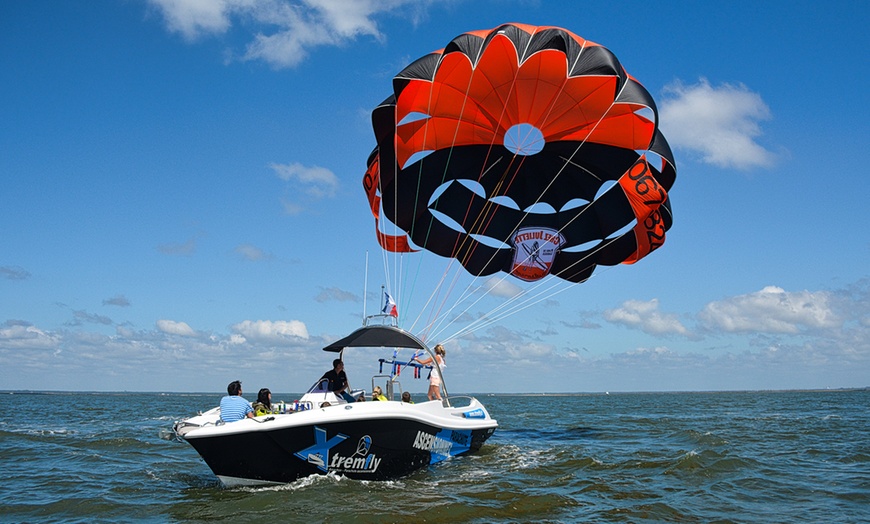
x,y
234,408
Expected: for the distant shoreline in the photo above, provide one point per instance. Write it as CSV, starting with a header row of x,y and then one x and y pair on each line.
x,y
526,394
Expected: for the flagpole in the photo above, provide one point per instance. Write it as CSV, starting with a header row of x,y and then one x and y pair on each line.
x,y
365,288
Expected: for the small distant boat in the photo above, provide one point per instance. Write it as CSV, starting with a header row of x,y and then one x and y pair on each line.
x,y
360,440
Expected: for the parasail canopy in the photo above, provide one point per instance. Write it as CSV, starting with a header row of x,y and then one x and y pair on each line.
x,y
522,149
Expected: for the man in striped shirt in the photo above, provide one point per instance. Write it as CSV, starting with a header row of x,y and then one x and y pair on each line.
x,y
233,406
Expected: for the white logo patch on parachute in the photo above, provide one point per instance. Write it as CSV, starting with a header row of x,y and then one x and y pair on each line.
x,y
535,249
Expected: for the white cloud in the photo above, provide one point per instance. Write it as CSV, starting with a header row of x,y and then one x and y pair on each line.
x,y
656,353
21,335
351,18
194,18
289,46
503,347
337,295
171,327
502,359
772,310
499,287
117,300
646,317
14,273
81,316
318,182
269,331
251,252
172,248
285,31
291,208
150,360
719,123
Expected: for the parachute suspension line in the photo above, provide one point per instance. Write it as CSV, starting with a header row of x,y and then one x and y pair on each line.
x,y
482,221
365,287
569,161
564,117
436,303
387,275
391,278
469,289
503,311
546,117
403,275
489,204
437,315
522,297
496,313
432,298
486,214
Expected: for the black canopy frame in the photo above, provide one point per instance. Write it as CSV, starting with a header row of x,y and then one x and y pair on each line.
x,y
386,336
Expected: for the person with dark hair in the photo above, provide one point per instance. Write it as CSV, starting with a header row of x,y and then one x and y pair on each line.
x,y
263,405
233,406
338,380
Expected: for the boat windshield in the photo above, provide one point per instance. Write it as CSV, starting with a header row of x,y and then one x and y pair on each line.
x,y
321,386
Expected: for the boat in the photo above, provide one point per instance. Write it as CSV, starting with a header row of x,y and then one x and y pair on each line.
x,y
324,434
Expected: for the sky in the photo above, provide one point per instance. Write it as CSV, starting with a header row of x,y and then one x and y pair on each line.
x,y
182,202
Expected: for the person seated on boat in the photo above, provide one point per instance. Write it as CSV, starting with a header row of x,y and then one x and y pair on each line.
x,y
338,380
434,376
406,397
325,404
233,406
263,405
378,394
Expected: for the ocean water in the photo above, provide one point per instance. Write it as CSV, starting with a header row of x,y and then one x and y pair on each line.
x,y
756,457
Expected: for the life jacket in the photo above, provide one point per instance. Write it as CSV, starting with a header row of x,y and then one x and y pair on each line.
x,y
260,409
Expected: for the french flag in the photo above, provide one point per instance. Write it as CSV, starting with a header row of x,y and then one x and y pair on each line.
x,y
390,306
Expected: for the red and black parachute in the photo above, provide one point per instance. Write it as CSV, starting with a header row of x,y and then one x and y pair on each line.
x,y
521,149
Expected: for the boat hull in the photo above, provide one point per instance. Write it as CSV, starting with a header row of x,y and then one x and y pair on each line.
x,y
371,443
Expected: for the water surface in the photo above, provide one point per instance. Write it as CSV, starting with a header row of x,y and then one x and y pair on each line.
x,y
761,457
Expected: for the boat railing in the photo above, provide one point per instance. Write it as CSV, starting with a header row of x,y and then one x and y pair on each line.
x,y
390,387
182,427
397,365
381,319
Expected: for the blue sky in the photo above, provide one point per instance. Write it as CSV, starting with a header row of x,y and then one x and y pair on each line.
x,y
182,201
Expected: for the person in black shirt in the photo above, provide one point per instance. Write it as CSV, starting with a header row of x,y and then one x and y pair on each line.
x,y
338,380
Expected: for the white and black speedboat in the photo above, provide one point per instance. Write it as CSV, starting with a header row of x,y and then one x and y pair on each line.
x,y
322,433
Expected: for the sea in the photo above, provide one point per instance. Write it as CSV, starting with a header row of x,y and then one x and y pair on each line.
x,y
719,457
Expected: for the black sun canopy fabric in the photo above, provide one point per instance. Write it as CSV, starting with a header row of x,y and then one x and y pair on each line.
x,y
377,336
